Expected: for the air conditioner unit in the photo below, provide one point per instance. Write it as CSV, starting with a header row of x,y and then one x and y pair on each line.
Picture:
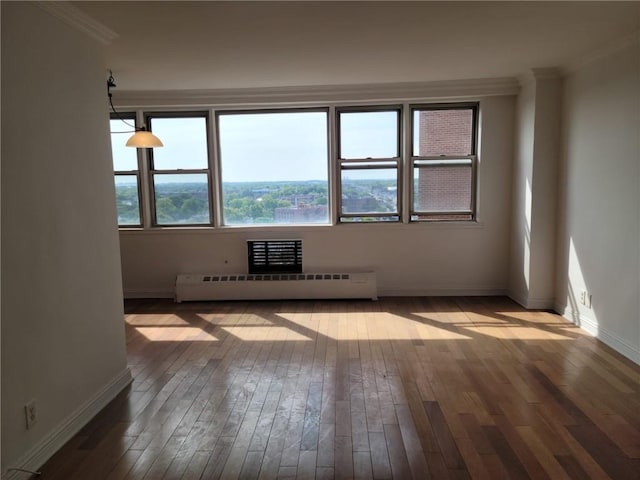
x,y
200,287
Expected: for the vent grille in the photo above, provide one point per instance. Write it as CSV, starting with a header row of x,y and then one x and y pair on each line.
x,y
274,256
276,277
240,286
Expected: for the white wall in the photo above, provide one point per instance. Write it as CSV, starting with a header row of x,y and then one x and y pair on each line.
x,y
415,259
62,316
533,237
599,228
545,184
520,246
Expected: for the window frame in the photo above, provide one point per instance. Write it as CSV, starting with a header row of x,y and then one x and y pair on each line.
x,y
219,180
406,164
152,171
368,163
129,116
416,162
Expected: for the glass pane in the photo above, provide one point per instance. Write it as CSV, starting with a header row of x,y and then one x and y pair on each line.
x,y
369,134
185,143
369,191
181,199
442,132
127,200
442,189
274,168
124,158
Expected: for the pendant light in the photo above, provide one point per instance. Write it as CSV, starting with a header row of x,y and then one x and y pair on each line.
x,y
144,139
141,137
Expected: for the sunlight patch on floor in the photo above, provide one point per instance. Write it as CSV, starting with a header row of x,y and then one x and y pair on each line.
x,y
155,320
266,334
355,326
430,332
350,326
517,332
176,334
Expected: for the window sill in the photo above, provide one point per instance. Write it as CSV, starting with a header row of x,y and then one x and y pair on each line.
x,y
207,230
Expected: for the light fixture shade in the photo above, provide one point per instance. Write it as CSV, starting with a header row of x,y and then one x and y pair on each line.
x,y
144,139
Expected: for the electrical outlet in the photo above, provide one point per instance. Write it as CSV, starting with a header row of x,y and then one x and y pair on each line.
x,y
585,298
31,414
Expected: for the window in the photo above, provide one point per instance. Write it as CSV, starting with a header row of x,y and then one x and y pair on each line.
x,y
274,167
180,170
443,162
127,173
300,166
369,164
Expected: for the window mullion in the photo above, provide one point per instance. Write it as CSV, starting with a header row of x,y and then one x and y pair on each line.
x,y
405,197
144,179
215,171
334,200
474,183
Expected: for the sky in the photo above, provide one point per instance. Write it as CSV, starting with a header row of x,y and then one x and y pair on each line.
x,y
273,146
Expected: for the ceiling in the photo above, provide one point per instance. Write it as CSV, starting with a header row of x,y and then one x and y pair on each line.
x,y
221,45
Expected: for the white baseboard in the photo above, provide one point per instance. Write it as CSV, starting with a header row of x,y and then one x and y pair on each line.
x,y
51,443
382,292
441,292
532,303
591,326
148,294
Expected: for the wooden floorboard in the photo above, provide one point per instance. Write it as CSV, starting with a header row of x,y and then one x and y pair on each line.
x,y
400,388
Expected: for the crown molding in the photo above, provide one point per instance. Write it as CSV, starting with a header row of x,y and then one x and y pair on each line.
x,y
540,73
603,52
549,73
76,18
320,94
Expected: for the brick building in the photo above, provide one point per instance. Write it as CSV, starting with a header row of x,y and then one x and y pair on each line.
x,y
449,133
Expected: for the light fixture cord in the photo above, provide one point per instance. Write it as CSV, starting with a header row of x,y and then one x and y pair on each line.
x,y
110,84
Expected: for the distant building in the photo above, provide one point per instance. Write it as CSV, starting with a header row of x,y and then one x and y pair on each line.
x,y
302,213
359,204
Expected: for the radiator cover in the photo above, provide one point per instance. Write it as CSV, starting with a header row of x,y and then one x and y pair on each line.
x,y
202,287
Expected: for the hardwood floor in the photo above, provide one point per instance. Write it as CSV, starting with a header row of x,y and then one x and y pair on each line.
x,y
400,388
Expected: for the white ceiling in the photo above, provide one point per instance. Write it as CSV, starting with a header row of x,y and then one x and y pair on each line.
x,y
220,45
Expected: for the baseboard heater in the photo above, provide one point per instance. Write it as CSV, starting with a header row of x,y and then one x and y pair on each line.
x,y
202,287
